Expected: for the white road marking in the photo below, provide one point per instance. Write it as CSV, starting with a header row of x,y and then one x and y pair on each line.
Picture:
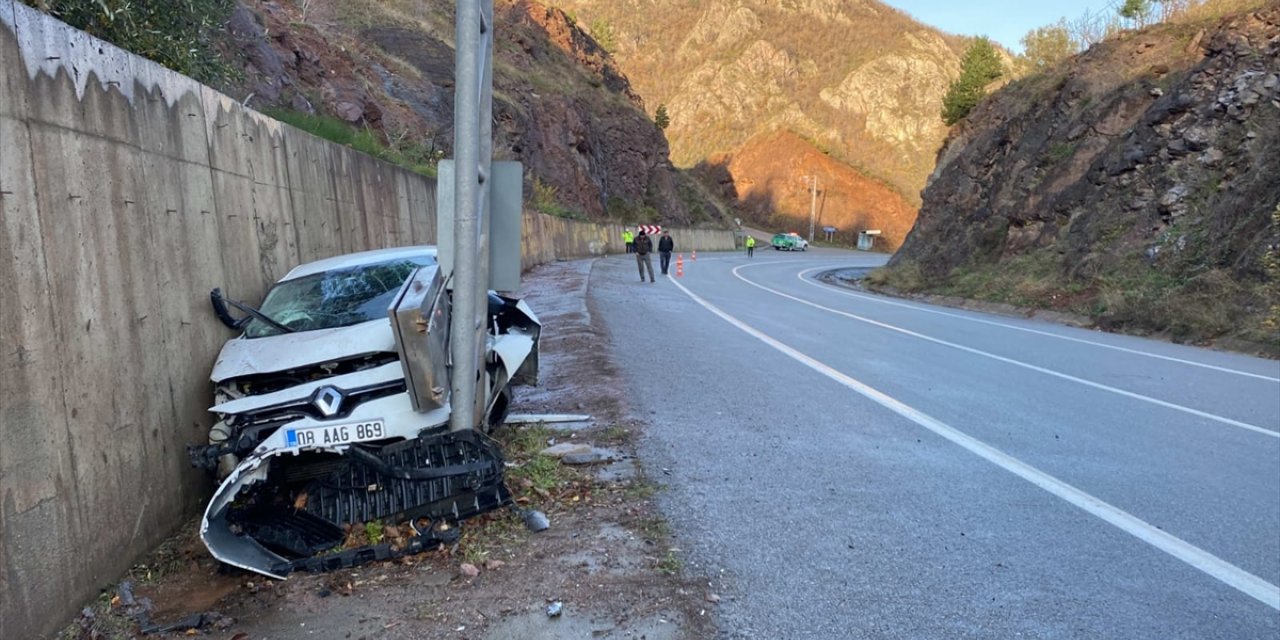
x,y
835,289
1018,363
1213,566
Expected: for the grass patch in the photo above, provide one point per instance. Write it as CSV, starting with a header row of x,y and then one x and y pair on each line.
x,y
182,36
616,434
670,564
1060,151
1030,280
1205,10
106,622
641,489
375,531
630,212
1145,299
653,528
541,471
407,14
546,198
494,536
532,475
403,149
903,277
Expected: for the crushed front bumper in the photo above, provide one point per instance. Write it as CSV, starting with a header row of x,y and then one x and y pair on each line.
x,y
283,510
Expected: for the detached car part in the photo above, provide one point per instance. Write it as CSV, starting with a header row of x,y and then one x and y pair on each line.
x,y
332,410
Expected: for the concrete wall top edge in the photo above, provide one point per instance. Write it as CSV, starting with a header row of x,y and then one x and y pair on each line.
x,y
48,46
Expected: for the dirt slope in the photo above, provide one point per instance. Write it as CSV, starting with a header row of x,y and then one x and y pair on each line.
x,y
769,176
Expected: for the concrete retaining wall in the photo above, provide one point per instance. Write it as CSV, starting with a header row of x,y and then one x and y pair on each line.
x,y
547,239
127,193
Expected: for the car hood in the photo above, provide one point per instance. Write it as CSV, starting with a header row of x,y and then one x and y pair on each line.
x,y
242,356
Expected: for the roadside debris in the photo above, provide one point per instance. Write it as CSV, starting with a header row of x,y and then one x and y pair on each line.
x,y
592,456
534,520
554,609
565,449
469,570
191,623
546,418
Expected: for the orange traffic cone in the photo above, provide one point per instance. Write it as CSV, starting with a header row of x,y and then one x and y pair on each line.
x,y
695,255
679,265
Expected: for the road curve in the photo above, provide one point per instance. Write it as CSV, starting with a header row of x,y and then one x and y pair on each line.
x,y
852,466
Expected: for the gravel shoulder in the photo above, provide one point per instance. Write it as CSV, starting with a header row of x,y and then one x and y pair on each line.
x,y
607,558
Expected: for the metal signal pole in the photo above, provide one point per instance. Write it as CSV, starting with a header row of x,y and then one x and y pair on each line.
x,y
473,150
813,204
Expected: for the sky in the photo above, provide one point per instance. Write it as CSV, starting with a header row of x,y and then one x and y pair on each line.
x,y
1004,21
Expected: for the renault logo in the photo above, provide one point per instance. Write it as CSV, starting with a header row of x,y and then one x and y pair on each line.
x,y
328,400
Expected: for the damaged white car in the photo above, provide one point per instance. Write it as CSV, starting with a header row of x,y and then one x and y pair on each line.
x,y
332,409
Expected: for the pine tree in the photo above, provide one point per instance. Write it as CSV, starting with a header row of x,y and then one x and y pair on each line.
x,y
979,66
661,118
1136,11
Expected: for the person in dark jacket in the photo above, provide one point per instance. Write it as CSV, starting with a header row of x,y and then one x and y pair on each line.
x,y
644,247
665,246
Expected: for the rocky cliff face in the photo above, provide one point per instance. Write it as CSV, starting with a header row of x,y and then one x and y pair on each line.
x,y
860,80
770,177
561,105
1137,183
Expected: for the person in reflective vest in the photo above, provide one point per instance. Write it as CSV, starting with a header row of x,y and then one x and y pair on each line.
x,y
751,246
629,240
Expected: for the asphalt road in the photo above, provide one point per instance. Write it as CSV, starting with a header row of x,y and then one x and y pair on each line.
x,y
854,466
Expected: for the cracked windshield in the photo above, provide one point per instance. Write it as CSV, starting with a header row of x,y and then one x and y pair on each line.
x,y
335,298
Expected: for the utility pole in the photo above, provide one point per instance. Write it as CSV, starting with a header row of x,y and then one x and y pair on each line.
x,y
473,149
813,204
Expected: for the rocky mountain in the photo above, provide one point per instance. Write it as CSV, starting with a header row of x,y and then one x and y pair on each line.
x,y
861,81
1138,183
561,105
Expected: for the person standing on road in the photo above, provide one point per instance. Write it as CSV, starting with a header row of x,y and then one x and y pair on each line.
x,y
751,246
629,239
665,246
643,247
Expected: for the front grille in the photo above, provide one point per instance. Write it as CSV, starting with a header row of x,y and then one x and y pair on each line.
x,y
258,384
282,413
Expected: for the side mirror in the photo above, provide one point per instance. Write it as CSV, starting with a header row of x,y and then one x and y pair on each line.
x,y
220,310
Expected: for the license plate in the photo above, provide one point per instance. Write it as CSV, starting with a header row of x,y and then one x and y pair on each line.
x,y
336,434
